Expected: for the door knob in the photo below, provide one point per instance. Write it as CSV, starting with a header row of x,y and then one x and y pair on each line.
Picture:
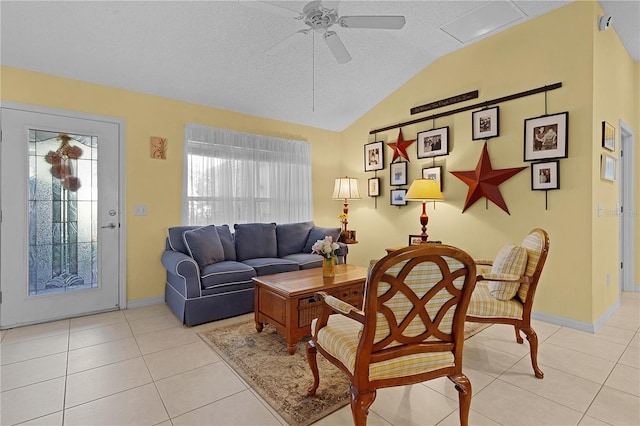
x,y
110,226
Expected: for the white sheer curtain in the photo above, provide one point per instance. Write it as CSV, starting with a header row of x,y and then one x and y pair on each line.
x,y
232,177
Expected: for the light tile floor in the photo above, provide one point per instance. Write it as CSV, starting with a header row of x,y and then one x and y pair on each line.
x,y
142,367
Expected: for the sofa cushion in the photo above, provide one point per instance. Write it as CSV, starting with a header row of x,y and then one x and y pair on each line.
x,y
175,240
227,242
292,237
254,240
510,260
226,273
204,245
318,233
271,265
305,260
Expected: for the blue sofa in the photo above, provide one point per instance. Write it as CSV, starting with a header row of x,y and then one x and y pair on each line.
x,y
209,268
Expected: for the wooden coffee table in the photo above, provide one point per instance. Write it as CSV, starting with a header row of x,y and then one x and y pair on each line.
x,y
287,301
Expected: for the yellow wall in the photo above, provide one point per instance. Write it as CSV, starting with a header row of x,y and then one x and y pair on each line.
x,y
562,46
157,183
615,96
557,47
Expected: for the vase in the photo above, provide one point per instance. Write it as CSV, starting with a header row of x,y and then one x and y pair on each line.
x,y
329,267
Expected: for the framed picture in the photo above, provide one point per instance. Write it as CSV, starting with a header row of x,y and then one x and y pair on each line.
x,y
608,136
545,176
397,197
374,156
398,172
608,167
433,143
485,123
546,137
434,173
415,240
374,187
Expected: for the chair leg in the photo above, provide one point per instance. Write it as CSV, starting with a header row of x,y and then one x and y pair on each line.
x,y
360,403
532,337
463,386
518,336
312,352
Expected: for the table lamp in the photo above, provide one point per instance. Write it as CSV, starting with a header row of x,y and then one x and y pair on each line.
x,y
346,189
424,190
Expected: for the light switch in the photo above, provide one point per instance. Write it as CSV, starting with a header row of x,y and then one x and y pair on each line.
x,y
140,210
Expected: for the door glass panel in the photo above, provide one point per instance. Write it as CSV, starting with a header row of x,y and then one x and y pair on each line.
x,y
63,201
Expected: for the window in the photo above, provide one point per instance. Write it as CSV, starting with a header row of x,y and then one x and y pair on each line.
x,y
232,177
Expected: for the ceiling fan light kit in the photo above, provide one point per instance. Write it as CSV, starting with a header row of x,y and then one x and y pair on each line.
x,y
321,15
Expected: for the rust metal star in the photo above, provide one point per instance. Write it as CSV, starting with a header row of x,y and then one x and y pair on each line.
x,y
400,147
484,181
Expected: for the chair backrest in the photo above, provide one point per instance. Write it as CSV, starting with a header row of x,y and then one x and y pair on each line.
x,y
537,245
416,300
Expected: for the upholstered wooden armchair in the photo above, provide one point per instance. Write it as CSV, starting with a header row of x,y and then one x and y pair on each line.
x,y
411,327
505,295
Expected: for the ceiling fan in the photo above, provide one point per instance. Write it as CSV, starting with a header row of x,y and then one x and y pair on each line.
x,y
321,16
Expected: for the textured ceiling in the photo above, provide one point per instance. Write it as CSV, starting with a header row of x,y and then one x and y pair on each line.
x,y
212,52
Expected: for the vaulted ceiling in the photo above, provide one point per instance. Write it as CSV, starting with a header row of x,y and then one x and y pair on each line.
x,y
216,53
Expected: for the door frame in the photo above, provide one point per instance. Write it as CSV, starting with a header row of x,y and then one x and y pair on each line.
x,y
122,240
627,201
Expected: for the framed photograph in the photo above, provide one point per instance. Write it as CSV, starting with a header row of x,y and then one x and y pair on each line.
x,y
397,197
485,123
546,137
398,172
374,156
608,136
433,143
374,187
434,173
608,167
545,176
415,240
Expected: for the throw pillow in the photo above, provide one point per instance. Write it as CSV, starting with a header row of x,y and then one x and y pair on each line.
x,y
512,260
227,242
318,233
204,245
176,240
292,237
255,240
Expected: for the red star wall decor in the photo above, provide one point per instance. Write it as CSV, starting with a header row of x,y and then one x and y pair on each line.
x,y
484,181
400,147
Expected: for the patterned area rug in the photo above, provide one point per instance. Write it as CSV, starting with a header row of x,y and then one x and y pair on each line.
x,y
261,359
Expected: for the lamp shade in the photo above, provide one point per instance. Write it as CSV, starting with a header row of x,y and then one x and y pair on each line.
x,y
346,188
424,190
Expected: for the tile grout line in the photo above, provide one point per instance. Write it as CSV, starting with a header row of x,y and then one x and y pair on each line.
x,y
153,380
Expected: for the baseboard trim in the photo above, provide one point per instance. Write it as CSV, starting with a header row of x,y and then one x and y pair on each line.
x,y
575,324
139,303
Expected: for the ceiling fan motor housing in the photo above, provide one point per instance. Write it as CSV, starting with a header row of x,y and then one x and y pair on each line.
x,y
318,17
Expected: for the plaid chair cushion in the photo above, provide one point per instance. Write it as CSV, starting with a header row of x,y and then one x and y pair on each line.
x,y
512,260
483,305
533,243
341,336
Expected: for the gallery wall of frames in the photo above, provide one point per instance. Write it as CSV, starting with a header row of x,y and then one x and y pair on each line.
x,y
545,143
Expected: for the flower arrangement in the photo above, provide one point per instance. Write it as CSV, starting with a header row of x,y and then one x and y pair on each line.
x,y
325,248
343,217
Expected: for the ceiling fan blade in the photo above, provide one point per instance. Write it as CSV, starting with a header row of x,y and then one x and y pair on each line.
x,y
375,22
287,42
336,47
273,7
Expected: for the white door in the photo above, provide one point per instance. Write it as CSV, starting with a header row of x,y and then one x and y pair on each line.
x,y
60,235
627,209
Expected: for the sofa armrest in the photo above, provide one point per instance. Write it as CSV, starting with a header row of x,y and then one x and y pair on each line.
x,y
183,273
